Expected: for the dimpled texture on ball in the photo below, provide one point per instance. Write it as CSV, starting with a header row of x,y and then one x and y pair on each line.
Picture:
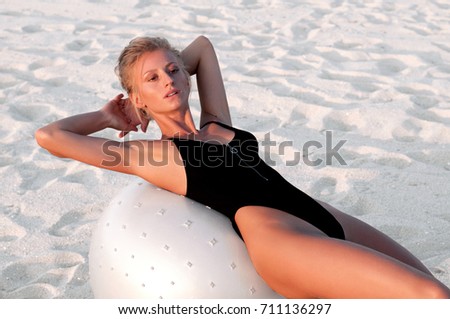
x,y
151,243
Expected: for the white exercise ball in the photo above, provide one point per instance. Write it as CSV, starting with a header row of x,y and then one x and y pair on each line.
x,y
151,243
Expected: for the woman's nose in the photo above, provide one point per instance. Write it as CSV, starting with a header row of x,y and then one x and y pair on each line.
x,y
168,79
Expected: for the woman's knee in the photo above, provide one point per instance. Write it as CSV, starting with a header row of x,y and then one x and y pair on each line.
x,y
433,289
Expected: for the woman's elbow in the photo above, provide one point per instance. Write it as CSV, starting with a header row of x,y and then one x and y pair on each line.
x,y
45,140
204,41
41,136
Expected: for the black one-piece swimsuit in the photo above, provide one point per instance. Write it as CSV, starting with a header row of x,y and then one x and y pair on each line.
x,y
229,176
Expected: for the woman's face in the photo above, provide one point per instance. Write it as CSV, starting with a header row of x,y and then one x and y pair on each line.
x,y
162,85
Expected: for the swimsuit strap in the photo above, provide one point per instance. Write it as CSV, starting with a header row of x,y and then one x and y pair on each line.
x,y
220,124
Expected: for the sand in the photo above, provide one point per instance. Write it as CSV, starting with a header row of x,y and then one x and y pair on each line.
x,y
373,74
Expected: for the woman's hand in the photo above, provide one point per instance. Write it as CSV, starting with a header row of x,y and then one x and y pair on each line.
x,y
122,116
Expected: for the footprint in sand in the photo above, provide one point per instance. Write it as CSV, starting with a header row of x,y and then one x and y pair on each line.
x,y
32,28
46,63
9,230
438,158
359,158
39,277
325,186
85,177
44,71
33,291
29,112
339,121
297,117
46,78
391,66
407,132
361,83
95,24
79,45
89,59
8,80
442,270
424,102
359,205
88,46
6,160
34,177
418,90
143,4
83,45
395,160
68,224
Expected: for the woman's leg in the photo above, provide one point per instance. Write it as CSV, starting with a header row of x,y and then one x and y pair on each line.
x,y
361,233
299,261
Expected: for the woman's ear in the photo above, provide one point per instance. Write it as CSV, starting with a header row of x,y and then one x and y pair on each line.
x,y
140,108
136,99
143,113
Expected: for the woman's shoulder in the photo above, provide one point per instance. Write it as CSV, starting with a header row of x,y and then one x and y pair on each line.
x,y
158,162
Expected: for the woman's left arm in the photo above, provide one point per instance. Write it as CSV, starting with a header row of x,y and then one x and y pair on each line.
x,y
200,59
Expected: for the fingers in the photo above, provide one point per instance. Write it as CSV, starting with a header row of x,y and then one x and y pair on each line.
x,y
129,115
144,125
130,128
122,134
118,97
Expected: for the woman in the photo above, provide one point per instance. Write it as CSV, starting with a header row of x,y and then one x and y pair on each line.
x,y
302,248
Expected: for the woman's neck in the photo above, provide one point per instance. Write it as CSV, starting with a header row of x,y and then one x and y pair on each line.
x,y
176,125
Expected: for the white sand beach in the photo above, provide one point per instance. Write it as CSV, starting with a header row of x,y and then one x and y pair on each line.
x,y
375,74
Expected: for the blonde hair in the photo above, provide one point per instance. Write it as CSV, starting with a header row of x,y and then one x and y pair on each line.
x,y
131,53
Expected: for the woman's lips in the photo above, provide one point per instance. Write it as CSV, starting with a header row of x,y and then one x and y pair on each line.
x,y
172,93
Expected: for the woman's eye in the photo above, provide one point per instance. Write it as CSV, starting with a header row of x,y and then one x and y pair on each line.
x,y
152,78
173,71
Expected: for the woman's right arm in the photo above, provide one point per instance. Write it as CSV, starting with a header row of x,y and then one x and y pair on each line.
x,y
69,137
200,59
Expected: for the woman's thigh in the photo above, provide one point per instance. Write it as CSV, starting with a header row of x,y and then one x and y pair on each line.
x,y
299,261
363,234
